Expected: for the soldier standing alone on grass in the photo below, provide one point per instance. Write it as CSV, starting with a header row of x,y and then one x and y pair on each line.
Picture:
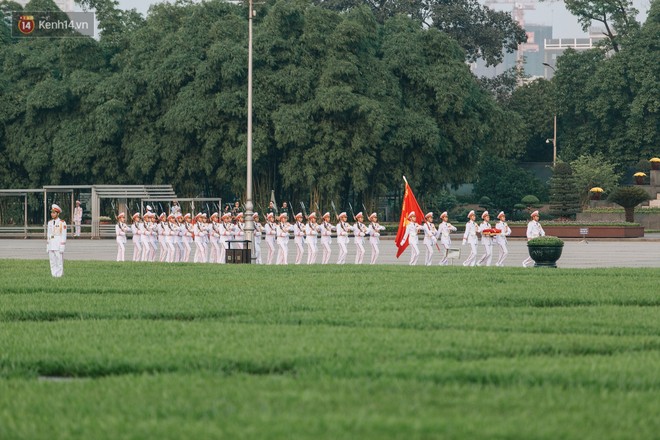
x,y
56,242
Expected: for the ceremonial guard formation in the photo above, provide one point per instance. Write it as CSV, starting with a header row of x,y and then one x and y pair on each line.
x,y
56,241
175,234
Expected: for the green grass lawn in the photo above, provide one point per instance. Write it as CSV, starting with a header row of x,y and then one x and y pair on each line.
x,y
134,351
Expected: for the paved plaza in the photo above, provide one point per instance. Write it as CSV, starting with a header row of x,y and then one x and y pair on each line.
x,y
596,253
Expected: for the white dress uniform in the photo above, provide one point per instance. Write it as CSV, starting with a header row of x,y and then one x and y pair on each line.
x,y
270,229
162,239
258,232
470,237
359,232
153,237
200,233
77,220
374,239
411,235
180,247
326,240
500,239
534,230
120,232
137,239
311,237
173,231
444,230
56,243
147,244
487,241
226,233
430,240
283,242
299,240
239,234
343,230
214,240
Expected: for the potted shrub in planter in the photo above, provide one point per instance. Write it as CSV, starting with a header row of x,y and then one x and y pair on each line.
x,y
545,251
596,192
639,178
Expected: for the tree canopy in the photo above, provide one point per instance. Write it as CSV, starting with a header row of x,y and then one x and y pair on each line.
x,y
344,103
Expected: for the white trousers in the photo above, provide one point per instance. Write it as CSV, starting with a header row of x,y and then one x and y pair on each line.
x,y
200,251
300,250
163,249
76,228
283,253
257,251
327,251
214,255
137,250
311,252
121,250
429,254
414,254
472,258
488,256
375,251
444,261
171,251
341,258
503,254
56,263
359,253
528,262
271,251
222,254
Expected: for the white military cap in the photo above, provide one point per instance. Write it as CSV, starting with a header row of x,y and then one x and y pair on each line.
x,y
373,215
429,214
444,214
327,214
411,214
121,214
534,213
55,208
501,214
359,214
471,213
270,214
485,213
343,214
255,215
299,215
312,214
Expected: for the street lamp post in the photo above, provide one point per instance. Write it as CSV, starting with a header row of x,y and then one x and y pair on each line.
x,y
554,124
249,221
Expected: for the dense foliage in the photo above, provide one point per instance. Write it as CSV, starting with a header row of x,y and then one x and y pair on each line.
x,y
344,103
564,197
629,197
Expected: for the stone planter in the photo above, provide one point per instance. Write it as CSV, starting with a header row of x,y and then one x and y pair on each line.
x,y
545,256
655,166
595,196
639,180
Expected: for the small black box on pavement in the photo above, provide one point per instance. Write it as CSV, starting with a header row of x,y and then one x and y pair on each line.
x,y
239,252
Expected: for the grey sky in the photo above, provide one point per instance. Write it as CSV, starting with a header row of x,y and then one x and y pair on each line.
x,y
547,13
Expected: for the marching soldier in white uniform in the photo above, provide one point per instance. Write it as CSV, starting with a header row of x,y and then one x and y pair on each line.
x,y
299,237
430,239
311,236
444,230
374,236
214,238
258,232
326,237
56,241
534,230
226,232
77,218
486,240
411,235
343,229
283,239
170,239
359,232
137,237
500,238
120,231
162,237
239,230
199,233
181,232
470,237
270,229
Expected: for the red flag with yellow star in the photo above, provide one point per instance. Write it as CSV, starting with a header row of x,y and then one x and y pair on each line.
x,y
409,205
